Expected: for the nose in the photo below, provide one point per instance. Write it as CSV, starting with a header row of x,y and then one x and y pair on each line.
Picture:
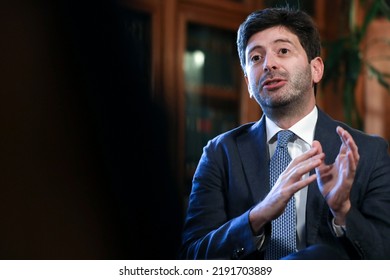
x,y
270,62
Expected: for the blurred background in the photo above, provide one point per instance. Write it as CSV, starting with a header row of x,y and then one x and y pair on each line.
x,y
84,171
106,106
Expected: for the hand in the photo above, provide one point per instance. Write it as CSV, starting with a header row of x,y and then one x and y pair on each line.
x,y
289,182
335,180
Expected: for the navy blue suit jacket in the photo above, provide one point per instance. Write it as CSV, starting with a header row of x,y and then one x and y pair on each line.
x,y
232,177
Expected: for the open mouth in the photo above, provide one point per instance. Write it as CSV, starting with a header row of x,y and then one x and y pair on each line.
x,y
272,84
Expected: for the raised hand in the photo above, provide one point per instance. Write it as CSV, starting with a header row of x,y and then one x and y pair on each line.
x,y
335,180
288,183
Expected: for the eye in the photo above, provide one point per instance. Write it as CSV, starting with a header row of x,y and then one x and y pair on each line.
x,y
284,51
255,58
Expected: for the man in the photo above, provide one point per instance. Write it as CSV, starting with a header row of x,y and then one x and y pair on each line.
x,y
339,177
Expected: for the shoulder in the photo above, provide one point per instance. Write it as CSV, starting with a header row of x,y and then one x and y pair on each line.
x,y
240,132
363,139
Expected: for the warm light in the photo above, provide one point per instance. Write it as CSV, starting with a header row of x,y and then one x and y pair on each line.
x,y
198,58
194,66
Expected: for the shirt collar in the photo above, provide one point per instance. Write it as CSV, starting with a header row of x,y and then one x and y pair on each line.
x,y
304,129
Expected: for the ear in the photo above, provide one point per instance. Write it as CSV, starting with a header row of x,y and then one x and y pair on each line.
x,y
317,69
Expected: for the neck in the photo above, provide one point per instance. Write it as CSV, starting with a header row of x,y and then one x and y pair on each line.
x,y
286,118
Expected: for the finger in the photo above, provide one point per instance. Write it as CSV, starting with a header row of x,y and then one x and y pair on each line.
x,y
352,147
312,152
324,174
352,162
295,173
349,143
353,155
306,162
344,147
323,169
346,138
297,186
317,145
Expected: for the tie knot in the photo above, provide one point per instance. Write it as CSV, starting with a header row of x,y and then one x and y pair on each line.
x,y
284,136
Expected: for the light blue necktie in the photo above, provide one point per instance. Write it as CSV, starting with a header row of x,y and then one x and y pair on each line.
x,y
283,236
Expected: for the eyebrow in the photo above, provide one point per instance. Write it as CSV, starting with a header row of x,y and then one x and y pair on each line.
x,y
280,40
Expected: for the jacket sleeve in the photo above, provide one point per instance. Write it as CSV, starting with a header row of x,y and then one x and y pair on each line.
x,y
210,229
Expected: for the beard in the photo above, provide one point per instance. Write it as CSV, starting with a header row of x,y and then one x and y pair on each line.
x,y
289,99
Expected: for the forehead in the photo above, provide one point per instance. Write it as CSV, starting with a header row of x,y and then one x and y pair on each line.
x,y
271,36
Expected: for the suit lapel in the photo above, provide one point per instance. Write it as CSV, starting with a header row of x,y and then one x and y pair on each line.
x,y
253,149
316,207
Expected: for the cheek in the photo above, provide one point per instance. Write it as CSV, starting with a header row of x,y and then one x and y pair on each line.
x,y
249,86
253,87
253,74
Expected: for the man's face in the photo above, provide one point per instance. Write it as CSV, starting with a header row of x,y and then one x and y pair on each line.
x,y
277,69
